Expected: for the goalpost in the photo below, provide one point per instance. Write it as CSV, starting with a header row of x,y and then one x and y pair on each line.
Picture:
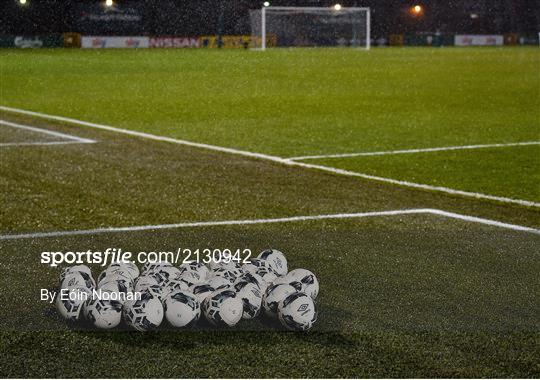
x,y
310,27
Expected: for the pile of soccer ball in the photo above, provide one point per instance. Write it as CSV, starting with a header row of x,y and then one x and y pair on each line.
x,y
224,292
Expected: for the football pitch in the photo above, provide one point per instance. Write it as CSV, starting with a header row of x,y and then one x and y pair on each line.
x,y
407,180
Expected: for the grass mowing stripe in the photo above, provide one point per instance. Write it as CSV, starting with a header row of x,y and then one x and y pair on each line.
x,y
423,150
274,158
272,220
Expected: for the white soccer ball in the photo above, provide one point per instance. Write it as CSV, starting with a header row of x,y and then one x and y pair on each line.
x,y
131,267
150,266
75,268
73,279
255,279
191,277
119,287
275,294
175,285
103,313
255,264
201,291
115,274
297,312
149,284
231,264
166,274
182,309
145,313
199,268
229,274
308,282
219,283
267,274
70,302
251,297
223,308
276,259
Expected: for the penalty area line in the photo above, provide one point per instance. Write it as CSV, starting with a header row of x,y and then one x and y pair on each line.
x,y
412,151
277,159
304,218
72,138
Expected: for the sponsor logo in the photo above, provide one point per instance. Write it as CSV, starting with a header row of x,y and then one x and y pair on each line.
x,y
174,42
22,42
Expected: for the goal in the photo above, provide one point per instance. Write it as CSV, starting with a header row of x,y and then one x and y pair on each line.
x,y
310,27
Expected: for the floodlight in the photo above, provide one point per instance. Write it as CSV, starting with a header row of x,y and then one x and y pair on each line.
x,y
22,2
266,3
109,3
337,7
417,9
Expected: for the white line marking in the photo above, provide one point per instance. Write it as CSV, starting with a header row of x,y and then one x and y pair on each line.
x,y
38,143
441,189
410,151
144,135
489,222
46,132
452,215
275,159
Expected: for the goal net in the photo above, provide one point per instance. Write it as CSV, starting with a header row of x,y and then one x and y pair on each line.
x,y
310,27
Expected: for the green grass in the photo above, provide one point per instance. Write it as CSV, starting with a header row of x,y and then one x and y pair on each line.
x,y
401,296
297,102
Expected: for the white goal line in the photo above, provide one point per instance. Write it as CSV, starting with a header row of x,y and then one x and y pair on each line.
x,y
277,159
412,151
428,211
71,139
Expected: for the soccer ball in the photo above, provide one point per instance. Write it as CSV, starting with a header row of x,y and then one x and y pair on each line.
x,y
199,268
70,303
219,283
144,314
165,274
149,284
191,277
231,264
144,282
201,291
182,309
267,274
223,308
151,266
119,274
255,264
275,294
73,279
127,265
276,259
251,296
308,282
76,268
297,312
254,279
228,274
120,287
103,313
176,285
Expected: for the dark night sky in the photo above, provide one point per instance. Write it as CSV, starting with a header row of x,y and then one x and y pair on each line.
x,y
197,17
